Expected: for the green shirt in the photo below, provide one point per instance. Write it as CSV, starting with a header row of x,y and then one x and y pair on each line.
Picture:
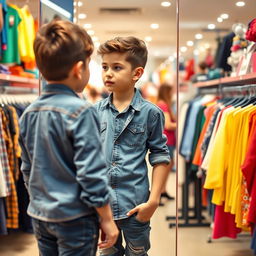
x,y
11,54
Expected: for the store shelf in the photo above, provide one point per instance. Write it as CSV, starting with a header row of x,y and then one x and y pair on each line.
x,y
20,81
239,80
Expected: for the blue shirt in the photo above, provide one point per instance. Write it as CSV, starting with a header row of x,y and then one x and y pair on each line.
x,y
62,160
126,138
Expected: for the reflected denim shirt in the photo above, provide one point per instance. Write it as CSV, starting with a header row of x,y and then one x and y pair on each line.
x,y
62,160
126,139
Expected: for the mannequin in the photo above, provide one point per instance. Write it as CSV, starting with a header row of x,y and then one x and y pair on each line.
x,y
238,46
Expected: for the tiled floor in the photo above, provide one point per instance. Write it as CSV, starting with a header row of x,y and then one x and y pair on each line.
x,y
191,241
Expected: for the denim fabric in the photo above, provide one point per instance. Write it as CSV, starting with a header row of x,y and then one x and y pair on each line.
x,y
171,151
136,236
62,160
189,130
126,138
77,237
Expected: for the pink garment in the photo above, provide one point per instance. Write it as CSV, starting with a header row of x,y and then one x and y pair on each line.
x,y
224,224
249,171
171,138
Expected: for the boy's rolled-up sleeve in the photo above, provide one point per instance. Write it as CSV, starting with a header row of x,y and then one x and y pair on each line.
x,y
91,171
158,150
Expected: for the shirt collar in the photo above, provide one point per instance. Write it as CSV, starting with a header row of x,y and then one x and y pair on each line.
x,y
135,104
58,88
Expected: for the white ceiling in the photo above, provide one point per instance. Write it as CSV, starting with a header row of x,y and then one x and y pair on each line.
x,y
195,15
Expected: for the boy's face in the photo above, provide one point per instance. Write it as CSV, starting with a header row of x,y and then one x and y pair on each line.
x,y
117,73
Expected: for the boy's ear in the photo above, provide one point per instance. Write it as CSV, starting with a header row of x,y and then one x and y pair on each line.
x,y
137,73
77,69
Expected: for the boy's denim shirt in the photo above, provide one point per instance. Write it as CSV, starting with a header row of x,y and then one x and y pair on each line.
x,y
126,138
62,160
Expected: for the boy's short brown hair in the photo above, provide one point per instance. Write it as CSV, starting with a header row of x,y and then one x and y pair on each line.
x,y
58,46
135,48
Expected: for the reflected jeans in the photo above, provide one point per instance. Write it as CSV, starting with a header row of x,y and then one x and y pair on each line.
x,y
136,236
77,237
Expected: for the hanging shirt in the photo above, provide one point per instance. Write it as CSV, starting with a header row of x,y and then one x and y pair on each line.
x,y
4,29
12,20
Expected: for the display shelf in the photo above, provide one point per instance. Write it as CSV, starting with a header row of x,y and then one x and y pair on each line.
x,y
239,80
19,81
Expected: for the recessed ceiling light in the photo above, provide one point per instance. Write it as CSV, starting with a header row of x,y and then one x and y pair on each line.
x,y
97,44
87,26
154,26
148,38
166,4
196,52
183,49
90,32
95,38
219,19
211,26
224,16
190,43
80,3
82,16
171,58
240,4
207,46
74,19
198,36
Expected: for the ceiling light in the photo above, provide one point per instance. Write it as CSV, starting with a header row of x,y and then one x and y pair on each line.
x,y
183,49
90,32
80,3
207,46
196,52
97,44
95,38
87,26
198,36
211,26
219,19
74,10
171,58
74,19
154,26
240,4
148,38
166,4
82,16
224,16
190,43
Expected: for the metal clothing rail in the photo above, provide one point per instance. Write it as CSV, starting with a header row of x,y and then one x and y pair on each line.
x,y
17,90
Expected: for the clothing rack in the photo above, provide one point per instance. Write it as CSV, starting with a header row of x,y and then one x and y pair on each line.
x,y
17,90
233,89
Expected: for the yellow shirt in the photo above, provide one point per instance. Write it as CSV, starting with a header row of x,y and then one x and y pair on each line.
x,y
26,30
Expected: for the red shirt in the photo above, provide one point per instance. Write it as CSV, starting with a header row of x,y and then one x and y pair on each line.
x,y
170,134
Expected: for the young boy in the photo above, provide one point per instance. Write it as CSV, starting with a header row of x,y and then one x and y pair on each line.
x,y
130,126
62,161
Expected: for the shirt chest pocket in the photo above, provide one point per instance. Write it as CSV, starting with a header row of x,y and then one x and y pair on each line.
x,y
134,135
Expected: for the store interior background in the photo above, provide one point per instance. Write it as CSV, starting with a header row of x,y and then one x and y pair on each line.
x,y
110,18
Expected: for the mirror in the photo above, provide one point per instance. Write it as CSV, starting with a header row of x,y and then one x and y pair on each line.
x,y
210,57
156,24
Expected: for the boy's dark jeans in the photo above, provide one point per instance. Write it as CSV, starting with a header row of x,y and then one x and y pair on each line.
x,y
76,237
